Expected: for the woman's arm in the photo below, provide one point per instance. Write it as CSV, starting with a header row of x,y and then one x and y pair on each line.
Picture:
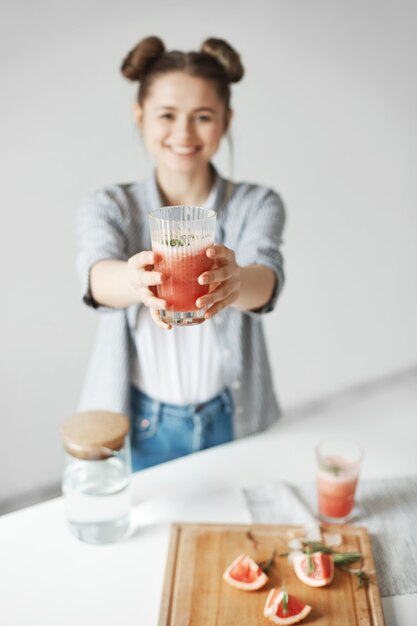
x,y
257,284
119,284
110,286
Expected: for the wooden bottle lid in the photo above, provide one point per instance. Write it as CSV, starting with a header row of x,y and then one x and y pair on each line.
x,y
94,434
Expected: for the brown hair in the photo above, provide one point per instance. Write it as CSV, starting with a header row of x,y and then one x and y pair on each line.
x,y
216,61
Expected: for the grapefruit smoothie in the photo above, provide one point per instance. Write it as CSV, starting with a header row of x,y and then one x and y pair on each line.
x,y
336,492
337,477
180,237
181,270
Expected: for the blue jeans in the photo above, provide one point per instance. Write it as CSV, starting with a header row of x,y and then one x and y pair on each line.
x,y
161,432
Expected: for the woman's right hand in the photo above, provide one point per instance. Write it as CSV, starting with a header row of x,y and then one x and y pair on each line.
x,y
143,278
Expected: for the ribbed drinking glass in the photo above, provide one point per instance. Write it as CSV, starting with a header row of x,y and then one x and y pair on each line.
x,y
180,237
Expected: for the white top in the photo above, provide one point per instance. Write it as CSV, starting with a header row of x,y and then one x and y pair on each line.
x,y
180,366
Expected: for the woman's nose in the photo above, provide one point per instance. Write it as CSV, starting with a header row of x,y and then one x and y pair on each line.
x,y
183,129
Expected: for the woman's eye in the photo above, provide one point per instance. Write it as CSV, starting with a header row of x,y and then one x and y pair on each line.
x,y
166,116
203,118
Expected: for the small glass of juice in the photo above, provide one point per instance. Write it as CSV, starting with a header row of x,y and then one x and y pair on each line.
x,y
338,464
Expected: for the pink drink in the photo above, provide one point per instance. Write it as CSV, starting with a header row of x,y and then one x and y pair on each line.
x,y
180,288
180,237
336,490
338,463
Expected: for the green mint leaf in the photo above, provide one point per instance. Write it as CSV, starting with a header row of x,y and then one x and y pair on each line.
x,y
315,546
360,574
266,565
311,568
284,599
345,558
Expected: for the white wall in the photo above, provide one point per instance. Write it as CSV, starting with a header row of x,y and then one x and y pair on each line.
x,y
326,115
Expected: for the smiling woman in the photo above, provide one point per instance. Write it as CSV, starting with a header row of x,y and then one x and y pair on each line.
x,y
196,387
188,112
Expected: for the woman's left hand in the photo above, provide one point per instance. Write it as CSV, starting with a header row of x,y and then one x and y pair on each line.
x,y
223,280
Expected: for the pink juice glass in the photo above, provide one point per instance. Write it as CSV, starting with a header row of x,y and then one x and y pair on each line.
x,y
338,464
180,237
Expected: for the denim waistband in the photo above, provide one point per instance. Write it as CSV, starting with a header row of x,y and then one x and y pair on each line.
x,y
222,400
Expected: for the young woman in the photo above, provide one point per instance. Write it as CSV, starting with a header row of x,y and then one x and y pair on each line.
x,y
189,388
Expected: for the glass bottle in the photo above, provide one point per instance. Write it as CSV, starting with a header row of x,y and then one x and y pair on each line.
x,y
96,477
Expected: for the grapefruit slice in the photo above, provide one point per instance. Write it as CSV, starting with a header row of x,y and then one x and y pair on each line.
x,y
315,570
288,612
245,573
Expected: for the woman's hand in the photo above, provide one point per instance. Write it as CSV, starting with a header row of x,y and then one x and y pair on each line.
x,y
224,280
143,278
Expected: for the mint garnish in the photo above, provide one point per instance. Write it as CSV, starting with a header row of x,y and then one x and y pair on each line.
x,y
180,241
284,599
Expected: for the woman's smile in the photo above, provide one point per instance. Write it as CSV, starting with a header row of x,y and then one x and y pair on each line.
x,y
183,151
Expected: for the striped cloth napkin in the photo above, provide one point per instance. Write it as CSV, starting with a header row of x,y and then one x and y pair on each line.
x,y
387,508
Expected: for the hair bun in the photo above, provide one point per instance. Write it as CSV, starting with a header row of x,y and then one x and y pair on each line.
x,y
227,56
140,58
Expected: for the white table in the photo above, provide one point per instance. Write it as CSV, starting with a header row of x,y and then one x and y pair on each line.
x,y
48,578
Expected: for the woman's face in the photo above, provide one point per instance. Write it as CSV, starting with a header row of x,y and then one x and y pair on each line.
x,y
182,121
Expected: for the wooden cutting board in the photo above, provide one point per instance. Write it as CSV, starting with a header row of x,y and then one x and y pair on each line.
x,y
195,594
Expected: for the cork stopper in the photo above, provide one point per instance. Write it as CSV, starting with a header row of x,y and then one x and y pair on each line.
x,y
94,435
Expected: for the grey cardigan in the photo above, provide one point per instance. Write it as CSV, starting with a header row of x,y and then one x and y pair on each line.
x,y
112,224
